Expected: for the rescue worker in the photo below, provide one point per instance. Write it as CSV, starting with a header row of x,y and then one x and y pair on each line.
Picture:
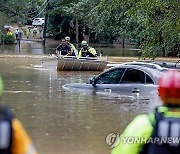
x,y
151,129
63,49
87,51
73,48
13,137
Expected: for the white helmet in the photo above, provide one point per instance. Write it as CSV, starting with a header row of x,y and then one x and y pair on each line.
x,y
84,43
67,38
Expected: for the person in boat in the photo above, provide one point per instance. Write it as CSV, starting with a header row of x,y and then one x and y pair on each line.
x,y
63,49
13,137
159,131
73,48
87,51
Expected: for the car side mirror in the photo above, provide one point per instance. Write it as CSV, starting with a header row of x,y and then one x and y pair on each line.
x,y
93,82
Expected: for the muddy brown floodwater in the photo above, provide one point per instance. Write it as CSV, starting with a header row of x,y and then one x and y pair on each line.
x,y
60,121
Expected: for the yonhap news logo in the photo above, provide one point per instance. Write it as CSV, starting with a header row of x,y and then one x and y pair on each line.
x,y
173,141
113,139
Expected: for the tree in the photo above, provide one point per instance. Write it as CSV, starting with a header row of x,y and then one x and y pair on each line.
x,y
104,17
154,24
159,24
18,11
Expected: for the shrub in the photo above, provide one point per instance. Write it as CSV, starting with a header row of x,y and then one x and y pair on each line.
x,y
9,39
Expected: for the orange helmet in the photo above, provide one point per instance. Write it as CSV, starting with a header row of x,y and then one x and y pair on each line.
x,y
169,87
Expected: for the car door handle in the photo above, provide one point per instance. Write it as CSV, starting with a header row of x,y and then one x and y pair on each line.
x,y
107,90
135,90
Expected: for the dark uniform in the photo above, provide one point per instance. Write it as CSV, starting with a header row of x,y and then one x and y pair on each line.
x,y
63,50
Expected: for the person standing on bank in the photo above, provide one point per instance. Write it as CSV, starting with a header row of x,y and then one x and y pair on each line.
x,y
73,48
13,137
63,49
35,31
159,132
17,33
87,51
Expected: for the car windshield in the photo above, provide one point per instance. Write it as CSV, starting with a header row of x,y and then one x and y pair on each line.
x,y
110,77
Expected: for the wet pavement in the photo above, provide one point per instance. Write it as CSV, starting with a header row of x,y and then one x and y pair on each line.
x,y
61,121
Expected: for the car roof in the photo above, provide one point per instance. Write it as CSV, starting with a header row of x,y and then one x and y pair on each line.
x,y
145,64
169,65
156,65
153,73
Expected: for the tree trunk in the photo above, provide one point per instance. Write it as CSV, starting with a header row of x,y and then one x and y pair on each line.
x,y
77,32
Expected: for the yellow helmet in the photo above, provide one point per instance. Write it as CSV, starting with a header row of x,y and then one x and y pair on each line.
x,y
67,38
1,86
84,43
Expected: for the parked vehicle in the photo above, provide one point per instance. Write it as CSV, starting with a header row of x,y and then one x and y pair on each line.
x,y
152,64
38,21
123,79
169,65
156,65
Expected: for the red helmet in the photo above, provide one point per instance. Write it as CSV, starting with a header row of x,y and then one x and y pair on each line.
x,y
169,87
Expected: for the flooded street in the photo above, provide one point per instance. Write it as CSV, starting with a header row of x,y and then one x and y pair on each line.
x,y
61,121
34,47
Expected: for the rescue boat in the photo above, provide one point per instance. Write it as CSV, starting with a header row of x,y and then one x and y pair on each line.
x,y
73,63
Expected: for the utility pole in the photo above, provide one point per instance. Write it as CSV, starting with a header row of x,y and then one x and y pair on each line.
x,y
45,24
77,33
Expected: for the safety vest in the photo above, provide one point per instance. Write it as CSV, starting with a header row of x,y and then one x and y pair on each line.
x,y
165,136
91,52
5,130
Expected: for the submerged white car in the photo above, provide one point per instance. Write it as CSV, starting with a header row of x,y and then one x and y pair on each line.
x,y
123,79
38,21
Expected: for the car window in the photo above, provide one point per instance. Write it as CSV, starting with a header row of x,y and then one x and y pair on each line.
x,y
133,76
149,80
110,77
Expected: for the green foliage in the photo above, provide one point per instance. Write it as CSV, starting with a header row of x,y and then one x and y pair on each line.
x,y
59,14
160,25
19,11
154,24
104,17
9,39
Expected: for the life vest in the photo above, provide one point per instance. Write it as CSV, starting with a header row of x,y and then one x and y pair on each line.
x,y
165,136
87,52
5,130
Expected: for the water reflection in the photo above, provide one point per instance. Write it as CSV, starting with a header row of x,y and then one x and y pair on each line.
x,y
25,47
61,121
